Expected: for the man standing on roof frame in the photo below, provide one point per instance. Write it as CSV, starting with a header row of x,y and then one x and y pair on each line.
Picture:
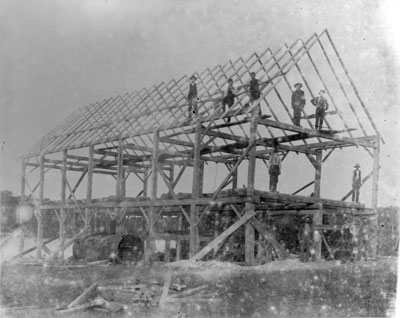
x,y
298,102
192,97
254,90
229,98
321,105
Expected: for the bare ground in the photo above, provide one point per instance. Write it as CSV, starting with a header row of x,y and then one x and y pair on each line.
x,y
278,289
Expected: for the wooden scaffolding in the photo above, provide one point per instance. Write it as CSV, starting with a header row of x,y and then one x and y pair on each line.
x,y
146,135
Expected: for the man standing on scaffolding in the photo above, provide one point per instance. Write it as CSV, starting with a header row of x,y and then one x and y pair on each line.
x,y
229,98
355,195
192,97
321,105
274,169
254,90
298,102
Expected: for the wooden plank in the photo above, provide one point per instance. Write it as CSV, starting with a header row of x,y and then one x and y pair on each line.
x,y
82,296
167,283
218,240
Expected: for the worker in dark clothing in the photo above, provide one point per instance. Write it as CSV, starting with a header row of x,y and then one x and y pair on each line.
x,y
349,236
364,237
298,102
321,104
229,98
305,239
356,184
254,88
274,168
192,96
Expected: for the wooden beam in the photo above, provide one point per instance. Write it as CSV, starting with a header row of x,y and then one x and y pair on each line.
x,y
318,171
62,217
39,215
374,194
315,133
194,210
218,240
154,183
89,190
251,172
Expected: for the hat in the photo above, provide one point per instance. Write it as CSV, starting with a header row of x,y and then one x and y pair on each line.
x,y
298,85
357,166
307,219
322,90
193,77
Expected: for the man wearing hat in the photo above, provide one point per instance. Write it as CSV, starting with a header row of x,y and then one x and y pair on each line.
x,y
305,239
321,104
298,102
356,183
274,169
192,96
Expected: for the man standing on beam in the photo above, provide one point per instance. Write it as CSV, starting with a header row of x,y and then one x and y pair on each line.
x,y
298,102
274,169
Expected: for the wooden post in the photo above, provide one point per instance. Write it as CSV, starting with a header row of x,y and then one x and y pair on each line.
x,y
196,184
39,215
374,195
63,201
22,234
317,220
145,181
89,188
179,242
235,180
249,229
120,171
318,170
154,168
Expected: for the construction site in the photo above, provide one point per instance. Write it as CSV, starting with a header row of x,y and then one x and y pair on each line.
x,y
189,209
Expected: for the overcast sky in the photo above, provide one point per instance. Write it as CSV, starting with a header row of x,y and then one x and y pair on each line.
x,y
56,56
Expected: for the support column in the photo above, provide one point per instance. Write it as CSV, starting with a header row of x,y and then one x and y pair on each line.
x,y
145,181
235,179
151,246
179,242
318,170
196,184
39,215
120,184
317,220
249,229
63,201
374,196
89,224
22,234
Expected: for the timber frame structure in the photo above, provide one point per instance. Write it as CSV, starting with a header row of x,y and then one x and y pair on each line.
x,y
146,135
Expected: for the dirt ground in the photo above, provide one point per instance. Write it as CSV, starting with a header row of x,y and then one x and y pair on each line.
x,y
278,289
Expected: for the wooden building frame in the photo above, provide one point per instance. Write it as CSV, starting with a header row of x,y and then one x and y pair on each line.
x,y
147,134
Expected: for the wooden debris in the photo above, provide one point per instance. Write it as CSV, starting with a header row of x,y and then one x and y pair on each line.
x,y
83,295
164,294
190,291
